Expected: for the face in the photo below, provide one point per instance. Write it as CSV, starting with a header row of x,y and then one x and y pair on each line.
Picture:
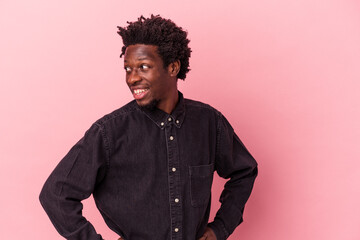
x,y
149,82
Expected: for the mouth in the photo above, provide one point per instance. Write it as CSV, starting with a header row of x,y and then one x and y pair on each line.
x,y
140,93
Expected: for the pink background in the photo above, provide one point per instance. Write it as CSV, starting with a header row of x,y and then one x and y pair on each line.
x,y
285,73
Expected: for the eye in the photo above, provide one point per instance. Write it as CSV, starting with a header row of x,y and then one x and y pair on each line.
x,y
144,67
127,69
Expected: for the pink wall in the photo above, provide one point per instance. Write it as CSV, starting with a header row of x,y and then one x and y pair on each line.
x,y
285,73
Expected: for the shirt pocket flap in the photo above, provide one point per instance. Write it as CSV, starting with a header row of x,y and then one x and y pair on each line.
x,y
202,170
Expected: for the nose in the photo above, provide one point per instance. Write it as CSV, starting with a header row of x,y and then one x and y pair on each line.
x,y
133,77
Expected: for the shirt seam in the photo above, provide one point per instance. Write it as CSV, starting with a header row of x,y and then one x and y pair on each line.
x,y
123,111
218,142
106,145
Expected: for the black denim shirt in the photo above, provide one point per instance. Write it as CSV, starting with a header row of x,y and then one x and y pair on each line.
x,y
151,174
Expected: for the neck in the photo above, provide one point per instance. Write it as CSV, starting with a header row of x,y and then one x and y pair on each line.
x,y
169,105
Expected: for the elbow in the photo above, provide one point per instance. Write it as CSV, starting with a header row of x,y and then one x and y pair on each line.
x,y
255,171
44,196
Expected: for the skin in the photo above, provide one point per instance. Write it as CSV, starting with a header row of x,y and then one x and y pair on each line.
x,y
145,70
208,235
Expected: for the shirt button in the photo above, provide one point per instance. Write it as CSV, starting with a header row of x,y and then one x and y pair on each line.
x,y
162,124
169,119
176,229
171,138
177,121
173,169
177,200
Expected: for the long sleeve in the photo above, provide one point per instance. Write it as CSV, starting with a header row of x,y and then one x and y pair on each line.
x,y
72,181
235,162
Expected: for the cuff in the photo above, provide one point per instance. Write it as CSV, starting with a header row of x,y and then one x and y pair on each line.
x,y
219,229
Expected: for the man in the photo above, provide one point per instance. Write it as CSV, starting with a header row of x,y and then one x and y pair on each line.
x,y
150,164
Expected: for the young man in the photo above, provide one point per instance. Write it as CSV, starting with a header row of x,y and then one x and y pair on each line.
x,y
150,164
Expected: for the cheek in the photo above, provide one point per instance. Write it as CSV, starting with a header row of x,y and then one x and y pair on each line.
x,y
151,77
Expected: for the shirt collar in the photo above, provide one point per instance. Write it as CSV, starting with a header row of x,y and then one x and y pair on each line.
x,y
162,119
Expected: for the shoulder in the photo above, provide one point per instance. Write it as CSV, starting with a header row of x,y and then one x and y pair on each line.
x,y
124,111
193,105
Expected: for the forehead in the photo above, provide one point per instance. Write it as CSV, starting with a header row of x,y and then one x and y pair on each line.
x,y
141,52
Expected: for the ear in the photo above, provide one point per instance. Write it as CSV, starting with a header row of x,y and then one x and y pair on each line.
x,y
174,68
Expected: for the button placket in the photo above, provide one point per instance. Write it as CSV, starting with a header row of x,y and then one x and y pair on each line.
x,y
174,180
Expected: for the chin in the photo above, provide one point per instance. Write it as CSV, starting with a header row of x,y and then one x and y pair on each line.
x,y
150,105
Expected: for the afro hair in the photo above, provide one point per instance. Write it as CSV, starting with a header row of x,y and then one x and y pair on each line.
x,y
170,39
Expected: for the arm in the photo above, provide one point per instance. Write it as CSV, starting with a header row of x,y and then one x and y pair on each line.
x,y
235,162
72,181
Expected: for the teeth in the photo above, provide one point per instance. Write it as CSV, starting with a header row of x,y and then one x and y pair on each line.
x,y
138,91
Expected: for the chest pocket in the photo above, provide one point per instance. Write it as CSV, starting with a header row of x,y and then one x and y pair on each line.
x,y
201,178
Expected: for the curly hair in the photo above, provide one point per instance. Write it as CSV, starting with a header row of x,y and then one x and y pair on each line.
x,y
170,39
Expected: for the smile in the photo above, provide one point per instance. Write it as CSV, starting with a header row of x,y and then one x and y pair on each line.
x,y
140,91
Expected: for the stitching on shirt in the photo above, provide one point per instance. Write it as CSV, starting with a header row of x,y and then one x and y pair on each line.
x,y
218,141
127,109
106,143
62,185
72,166
224,229
86,224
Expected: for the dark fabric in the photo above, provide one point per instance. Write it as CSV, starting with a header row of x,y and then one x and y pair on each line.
x,y
151,174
